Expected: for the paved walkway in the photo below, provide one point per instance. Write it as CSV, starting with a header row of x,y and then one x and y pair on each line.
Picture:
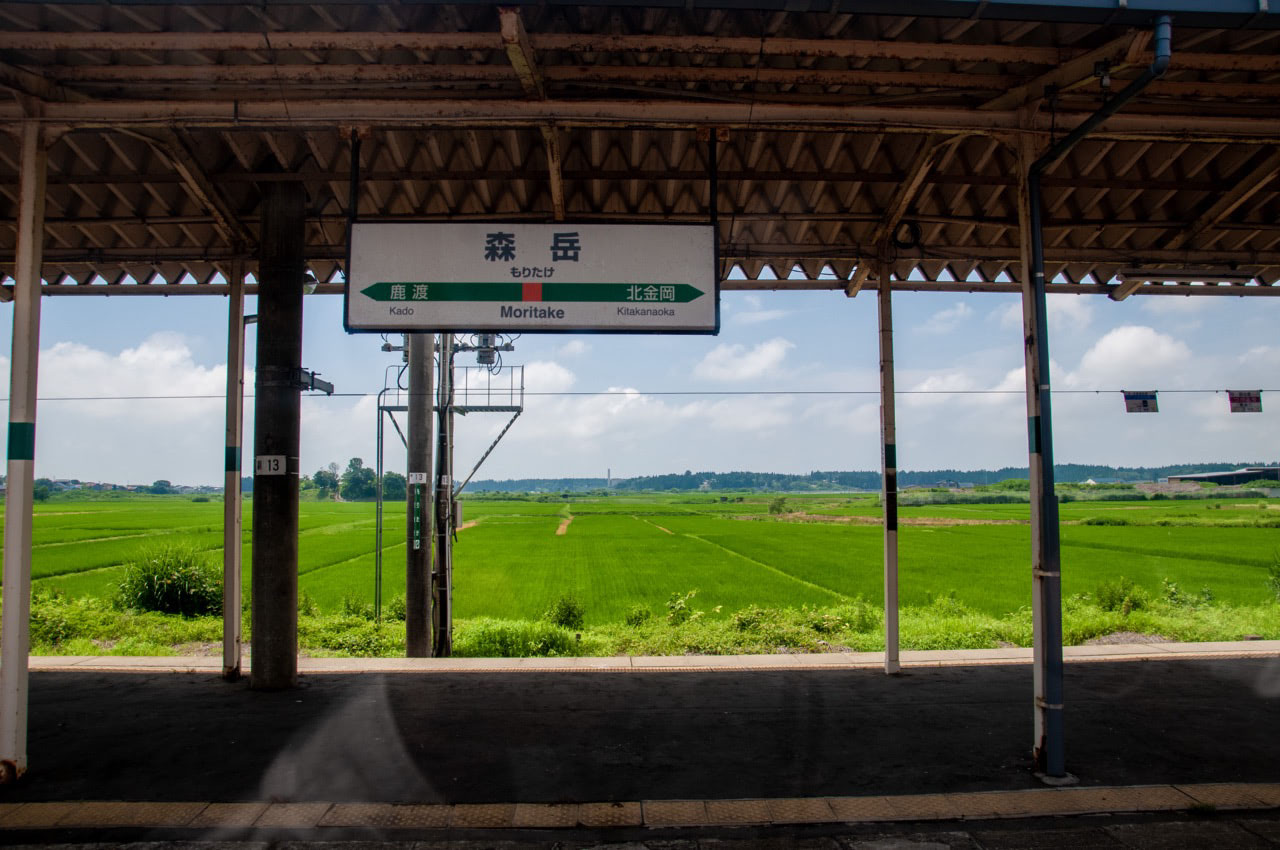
x,y
393,748
797,661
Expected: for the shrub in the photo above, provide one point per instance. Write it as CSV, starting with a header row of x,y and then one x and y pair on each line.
x,y
490,638
855,616
638,616
566,611
307,605
778,505
398,608
199,498
172,579
1121,595
1104,520
354,606
679,610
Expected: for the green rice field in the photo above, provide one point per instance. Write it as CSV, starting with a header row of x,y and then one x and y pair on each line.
x,y
513,558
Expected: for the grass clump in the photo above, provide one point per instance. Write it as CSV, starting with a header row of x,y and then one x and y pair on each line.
x,y
1121,594
172,579
566,612
638,616
1273,575
489,638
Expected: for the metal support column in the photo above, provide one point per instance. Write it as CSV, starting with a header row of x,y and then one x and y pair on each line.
x,y
443,574
418,584
889,460
277,418
232,505
16,630
1046,622
1049,748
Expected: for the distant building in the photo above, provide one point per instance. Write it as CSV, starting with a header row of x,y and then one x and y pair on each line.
x,y
1240,476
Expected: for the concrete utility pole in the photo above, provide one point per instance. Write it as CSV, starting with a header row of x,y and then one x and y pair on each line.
x,y
232,506
443,574
277,419
418,584
16,629
889,457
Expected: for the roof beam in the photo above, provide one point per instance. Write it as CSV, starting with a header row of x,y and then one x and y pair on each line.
x,y
25,82
597,43
551,142
530,75
735,252
172,146
931,149
1248,185
1072,73
520,53
323,114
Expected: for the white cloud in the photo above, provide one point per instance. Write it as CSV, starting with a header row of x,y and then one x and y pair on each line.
x,y
1068,313
1166,305
755,313
948,320
1132,357
738,363
114,404
1009,316
573,348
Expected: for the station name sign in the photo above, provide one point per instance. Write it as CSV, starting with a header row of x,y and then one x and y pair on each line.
x,y
408,277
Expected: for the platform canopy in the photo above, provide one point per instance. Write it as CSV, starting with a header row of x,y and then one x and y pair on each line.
x,y
844,124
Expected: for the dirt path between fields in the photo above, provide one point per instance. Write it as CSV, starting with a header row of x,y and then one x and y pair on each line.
x,y
564,526
471,523
655,525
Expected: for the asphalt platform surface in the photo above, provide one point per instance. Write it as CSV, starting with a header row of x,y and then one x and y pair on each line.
x,y
557,737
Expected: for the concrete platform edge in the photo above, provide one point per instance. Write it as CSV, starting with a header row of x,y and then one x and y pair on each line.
x,y
667,664
334,818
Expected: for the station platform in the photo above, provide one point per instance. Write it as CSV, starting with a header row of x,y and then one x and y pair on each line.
x,y
644,749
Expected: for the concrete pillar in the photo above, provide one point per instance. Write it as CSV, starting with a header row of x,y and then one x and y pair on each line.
x,y
418,584
889,457
232,506
16,629
277,417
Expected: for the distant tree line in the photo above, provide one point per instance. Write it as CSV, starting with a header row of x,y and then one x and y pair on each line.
x,y
837,480
357,483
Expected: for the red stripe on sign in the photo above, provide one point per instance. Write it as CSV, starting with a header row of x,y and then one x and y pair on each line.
x,y
531,292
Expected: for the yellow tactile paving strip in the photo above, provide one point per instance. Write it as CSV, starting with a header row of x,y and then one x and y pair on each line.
x,y
655,814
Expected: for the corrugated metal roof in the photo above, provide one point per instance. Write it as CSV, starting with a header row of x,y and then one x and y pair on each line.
x,y
169,118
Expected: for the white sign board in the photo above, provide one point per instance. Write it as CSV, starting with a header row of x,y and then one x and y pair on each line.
x,y
1140,402
418,276
270,465
1245,401
418,478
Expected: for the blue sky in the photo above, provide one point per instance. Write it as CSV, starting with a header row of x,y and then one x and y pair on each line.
x,y
952,352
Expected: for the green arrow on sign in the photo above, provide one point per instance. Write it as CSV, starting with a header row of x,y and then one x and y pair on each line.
x,y
625,293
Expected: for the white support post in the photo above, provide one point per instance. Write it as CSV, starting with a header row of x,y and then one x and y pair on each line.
x,y
889,459
16,630
232,505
